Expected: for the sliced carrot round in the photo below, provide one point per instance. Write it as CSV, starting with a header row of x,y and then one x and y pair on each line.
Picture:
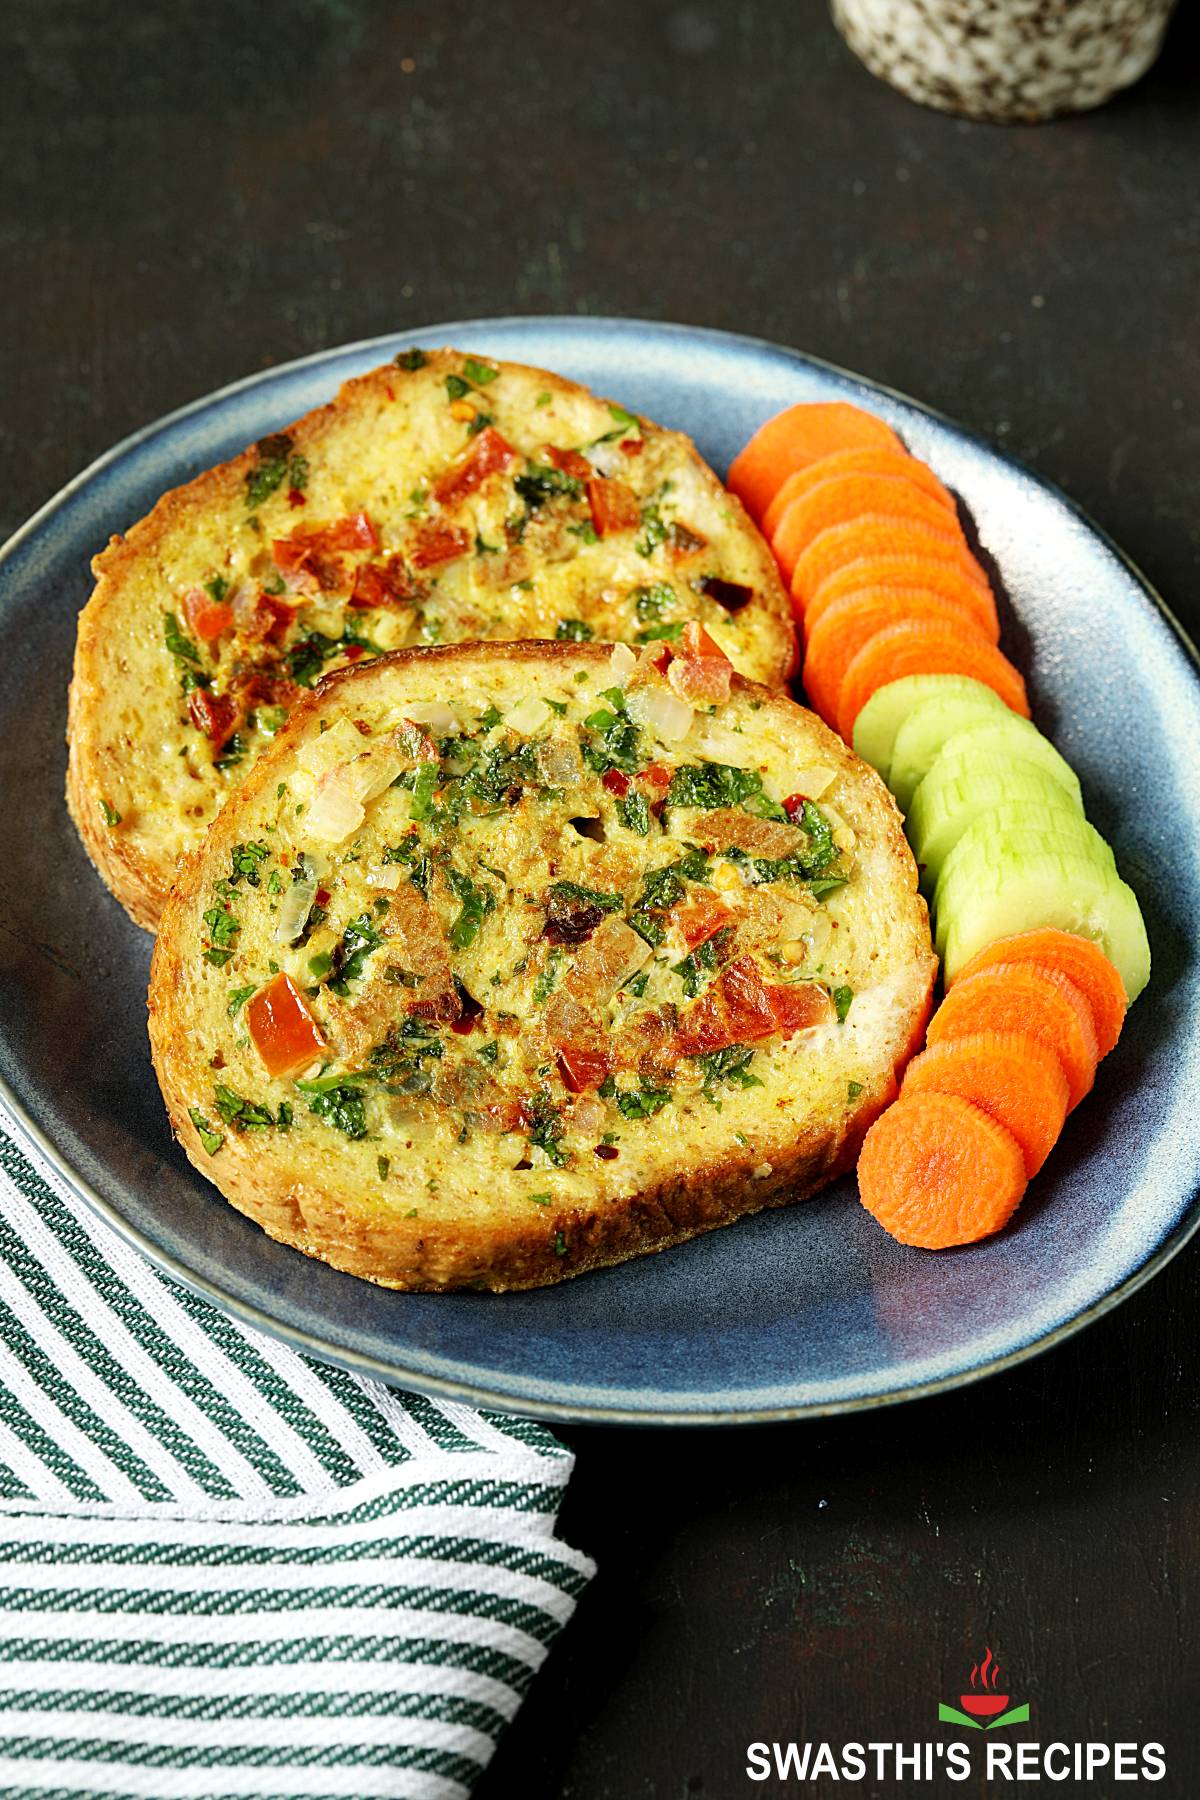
x,y
845,627
851,497
941,581
925,649
1079,959
937,1171
874,460
1014,1077
1022,997
874,536
798,436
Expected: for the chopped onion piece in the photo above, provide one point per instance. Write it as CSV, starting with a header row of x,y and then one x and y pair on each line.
x,y
336,810
588,1115
621,664
662,712
370,775
812,783
294,909
439,717
720,744
528,714
326,750
388,876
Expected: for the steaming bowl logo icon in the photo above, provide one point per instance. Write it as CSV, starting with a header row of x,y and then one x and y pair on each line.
x,y
983,1702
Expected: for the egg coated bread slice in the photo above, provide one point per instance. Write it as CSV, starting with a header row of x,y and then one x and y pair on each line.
x,y
443,498
509,961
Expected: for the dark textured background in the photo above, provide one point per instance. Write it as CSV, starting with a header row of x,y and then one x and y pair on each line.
x,y
191,194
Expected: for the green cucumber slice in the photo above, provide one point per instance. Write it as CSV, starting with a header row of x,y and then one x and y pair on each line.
x,y
880,720
958,706
958,789
1012,736
1063,890
997,844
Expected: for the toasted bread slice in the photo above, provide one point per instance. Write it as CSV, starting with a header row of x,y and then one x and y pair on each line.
x,y
505,962
441,499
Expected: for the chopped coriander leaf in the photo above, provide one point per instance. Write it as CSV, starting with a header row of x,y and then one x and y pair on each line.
x,y
541,483
853,1090
543,987
218,958
730,1065
713,784
217,588
285,1115
109,814
560,1244
359,939
480,423
341,1105
271,719
491,717
477,903
244,861
655,634
634,813
556,706
297,473
240,1113
586,532
542,1199
652,602
617,740
842,998
573,631
232,752
654,530
238,998
542,400
489,1052
638,983
320,965
272,465
421,804
545,1129
456,387
644,1101
568,891
176,642
210,1140
411,359
478,373
703,960
222,926
660,891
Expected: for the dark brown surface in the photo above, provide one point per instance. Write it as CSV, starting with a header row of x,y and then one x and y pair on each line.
x,y
192,194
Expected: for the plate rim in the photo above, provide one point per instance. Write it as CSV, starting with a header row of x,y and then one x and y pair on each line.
x,y
580,1411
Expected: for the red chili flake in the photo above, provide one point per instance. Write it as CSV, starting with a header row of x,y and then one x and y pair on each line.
x,y
606,1152
794,805
616,782
354,652
322,896
296,498
632,446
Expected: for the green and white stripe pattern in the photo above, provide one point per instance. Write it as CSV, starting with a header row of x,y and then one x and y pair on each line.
x,y
229,1570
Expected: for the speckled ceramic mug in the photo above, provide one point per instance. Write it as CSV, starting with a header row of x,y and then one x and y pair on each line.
x,y
1006,60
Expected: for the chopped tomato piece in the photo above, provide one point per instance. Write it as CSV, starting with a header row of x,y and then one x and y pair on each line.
x,y
382,584
615,782
296,497
614,505
271,619
748,1006
700,673
436,543
356,532
354,653
488,452
732,595
632,446
570,462
285,1034
683,541
213,714
207,617
701,918
794,805
657,776
582,1068
799,1007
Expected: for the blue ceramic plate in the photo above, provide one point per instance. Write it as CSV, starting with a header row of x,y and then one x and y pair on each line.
x,y
808,1310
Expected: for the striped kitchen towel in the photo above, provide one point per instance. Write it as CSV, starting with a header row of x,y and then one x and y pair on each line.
x,y
229,1570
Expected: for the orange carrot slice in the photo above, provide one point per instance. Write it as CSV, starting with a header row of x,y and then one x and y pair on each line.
x,y
872,536
850,497
874,460
1023,997
1014,1077
1079,959
798,436
845,627
925,649
937,1171
944,580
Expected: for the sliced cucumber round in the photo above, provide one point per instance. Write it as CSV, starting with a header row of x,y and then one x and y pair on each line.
x,y
999,841
879,721
1060,889
957,706
958,789
1011,736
